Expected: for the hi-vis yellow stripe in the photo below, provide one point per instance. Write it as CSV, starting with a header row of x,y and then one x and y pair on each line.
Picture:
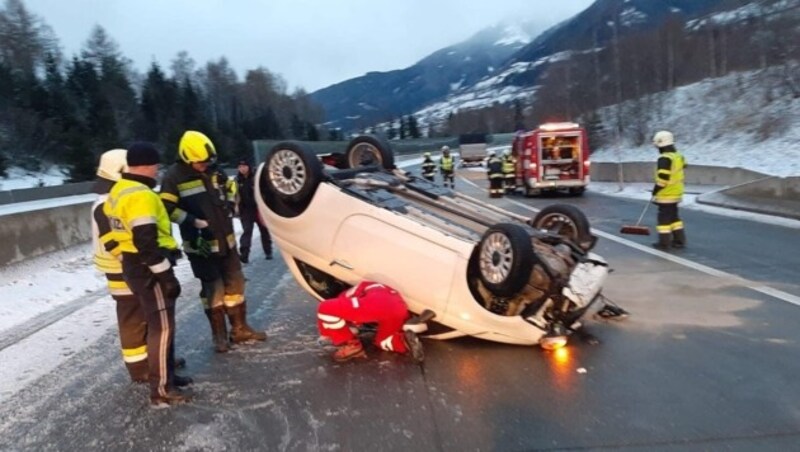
x,y
133,355
169,197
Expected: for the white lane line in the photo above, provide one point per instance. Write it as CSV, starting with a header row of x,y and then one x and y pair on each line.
x,y
761,288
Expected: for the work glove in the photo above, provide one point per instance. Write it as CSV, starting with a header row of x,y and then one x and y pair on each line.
x,y
202,246
170,285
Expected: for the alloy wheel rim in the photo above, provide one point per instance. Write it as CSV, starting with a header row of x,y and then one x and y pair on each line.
x,y
364,152
496,258
287,172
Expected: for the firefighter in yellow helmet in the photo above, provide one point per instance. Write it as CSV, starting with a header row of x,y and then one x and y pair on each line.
x,y
668,192
198,201
141,227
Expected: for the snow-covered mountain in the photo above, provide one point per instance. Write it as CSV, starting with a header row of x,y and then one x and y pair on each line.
x,y
506,62
379,96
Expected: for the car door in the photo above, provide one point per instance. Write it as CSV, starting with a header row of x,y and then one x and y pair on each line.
x,y
404,255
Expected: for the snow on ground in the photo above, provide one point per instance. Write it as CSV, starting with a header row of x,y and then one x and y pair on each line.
x,y
20,178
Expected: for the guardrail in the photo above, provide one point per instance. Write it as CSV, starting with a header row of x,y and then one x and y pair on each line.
x,y
37,231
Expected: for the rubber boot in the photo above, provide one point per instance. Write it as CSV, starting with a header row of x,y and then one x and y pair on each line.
x,y
679,238
219,333
244,256
663,241
240,330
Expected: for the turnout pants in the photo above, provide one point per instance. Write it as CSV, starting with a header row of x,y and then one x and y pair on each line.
x,y
221,279
159,313
668,219
496,189
132,327
448,179
381,305
249,218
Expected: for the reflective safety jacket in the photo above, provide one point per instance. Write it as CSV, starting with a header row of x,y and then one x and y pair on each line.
x,y
139,221
428,167
669,177
494,167
509,164
446,164
189,195
107,255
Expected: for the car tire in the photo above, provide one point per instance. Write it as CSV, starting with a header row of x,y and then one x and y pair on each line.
x,y
290,178
505,259
566,221
369,150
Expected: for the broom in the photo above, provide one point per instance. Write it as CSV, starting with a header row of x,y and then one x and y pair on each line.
x,y
636,229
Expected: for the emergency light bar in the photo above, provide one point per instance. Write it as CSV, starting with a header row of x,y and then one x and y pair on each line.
x,y
558,126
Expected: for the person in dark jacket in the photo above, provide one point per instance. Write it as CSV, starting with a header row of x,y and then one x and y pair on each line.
x,y
248,213
197,200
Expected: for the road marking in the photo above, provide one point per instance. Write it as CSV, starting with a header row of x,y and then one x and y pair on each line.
x,y
761,288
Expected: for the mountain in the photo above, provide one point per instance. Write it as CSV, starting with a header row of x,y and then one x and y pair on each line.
x,y
379,96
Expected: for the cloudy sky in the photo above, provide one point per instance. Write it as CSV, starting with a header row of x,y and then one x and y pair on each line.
x,y
311,43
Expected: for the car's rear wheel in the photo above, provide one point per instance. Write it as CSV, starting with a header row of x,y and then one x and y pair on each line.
x,y
566,221
289,178
505,259
369,150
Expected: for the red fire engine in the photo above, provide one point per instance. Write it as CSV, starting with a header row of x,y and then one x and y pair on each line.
x,y
553,157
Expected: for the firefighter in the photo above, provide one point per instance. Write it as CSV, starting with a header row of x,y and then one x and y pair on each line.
x,y
141,226
248,213
494,168
197,200
447,166
368,302
131,322
509,171
428,167
668,192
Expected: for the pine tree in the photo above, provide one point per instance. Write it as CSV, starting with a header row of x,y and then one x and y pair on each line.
x,y
413,129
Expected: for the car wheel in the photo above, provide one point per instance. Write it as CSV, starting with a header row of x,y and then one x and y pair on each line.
x,y
566,221
369,150
289,179
505,259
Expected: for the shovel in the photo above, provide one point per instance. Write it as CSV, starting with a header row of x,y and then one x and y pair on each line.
x,y
637,229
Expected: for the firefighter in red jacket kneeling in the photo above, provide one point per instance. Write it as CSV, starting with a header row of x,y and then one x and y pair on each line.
x,y
371,302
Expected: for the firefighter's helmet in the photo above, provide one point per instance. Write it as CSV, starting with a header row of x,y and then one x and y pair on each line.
x,y
663,138
427,154
195,147
445,148
112,164
507,152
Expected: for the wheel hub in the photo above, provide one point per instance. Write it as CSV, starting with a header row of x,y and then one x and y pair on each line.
x,y
287,172
496,258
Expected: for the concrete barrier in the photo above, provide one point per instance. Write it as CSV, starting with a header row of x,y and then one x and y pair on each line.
x,y
35,232
779,196
694,174
37,193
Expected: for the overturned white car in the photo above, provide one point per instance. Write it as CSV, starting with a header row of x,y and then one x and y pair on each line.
x,y
483,271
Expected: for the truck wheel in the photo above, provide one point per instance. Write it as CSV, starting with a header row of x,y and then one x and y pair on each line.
x,y
368,150
289,178
505,259
566,221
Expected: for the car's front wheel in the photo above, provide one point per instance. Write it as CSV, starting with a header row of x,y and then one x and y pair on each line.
x,y
369,150
289,178
505,259
566,221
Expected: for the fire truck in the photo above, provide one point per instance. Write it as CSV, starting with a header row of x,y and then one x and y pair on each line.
x,y
553,157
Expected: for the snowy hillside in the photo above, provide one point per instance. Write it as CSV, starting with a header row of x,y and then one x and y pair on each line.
x,y
732,121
